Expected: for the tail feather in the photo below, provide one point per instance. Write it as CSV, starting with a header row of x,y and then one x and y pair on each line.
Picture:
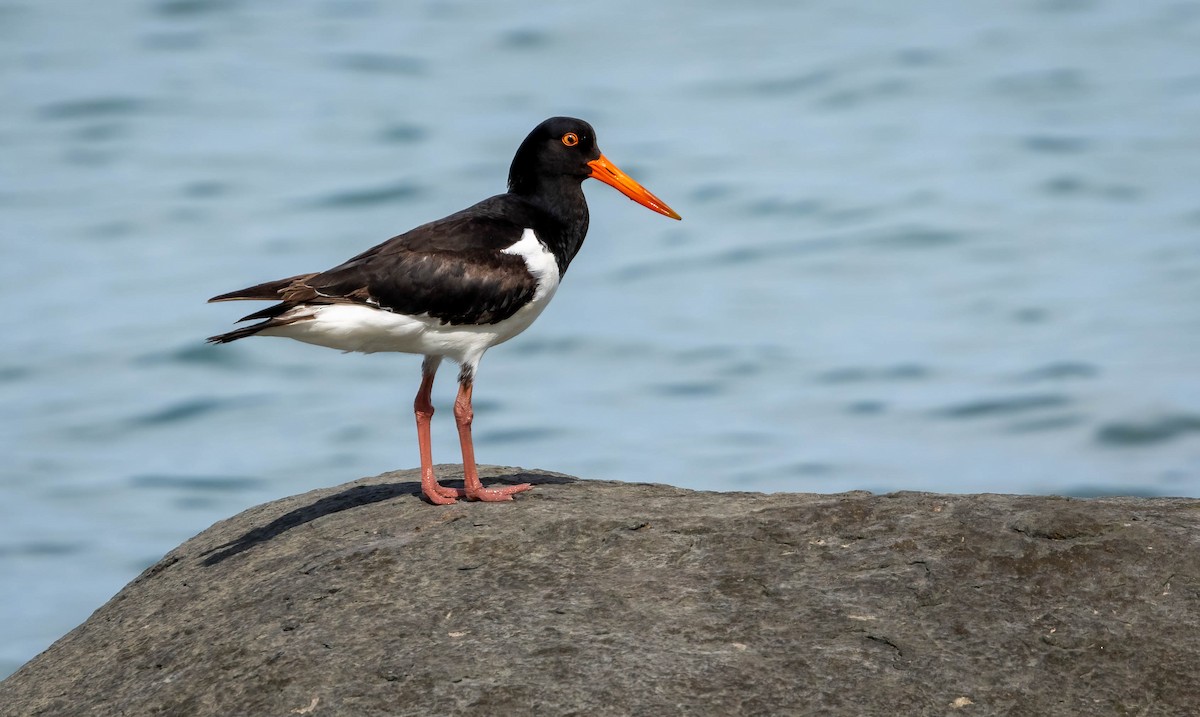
x,y
239,333
283,291
270,312
269,291
253,329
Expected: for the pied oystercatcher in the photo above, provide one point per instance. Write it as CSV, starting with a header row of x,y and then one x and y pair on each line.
x,y
457,286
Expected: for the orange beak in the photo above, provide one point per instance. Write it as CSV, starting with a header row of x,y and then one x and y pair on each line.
x,y
608,173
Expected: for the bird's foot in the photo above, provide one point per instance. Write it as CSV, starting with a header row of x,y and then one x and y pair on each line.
x,y
449,492
495,495
441,495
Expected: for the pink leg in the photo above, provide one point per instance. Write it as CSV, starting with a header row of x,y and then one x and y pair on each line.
x,y
463,415
423,408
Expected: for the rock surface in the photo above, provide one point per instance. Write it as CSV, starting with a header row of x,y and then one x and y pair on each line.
x,y
599,598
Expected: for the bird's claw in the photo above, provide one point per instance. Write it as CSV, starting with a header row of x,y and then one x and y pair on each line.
x,y
495,495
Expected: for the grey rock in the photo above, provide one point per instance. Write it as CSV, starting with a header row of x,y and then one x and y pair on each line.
x,y
600,598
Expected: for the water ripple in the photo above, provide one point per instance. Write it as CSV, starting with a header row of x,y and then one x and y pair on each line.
x,y
867,408
205,189
1056,144
40,549
1158,430
688,389
193,8
173,41
1069,185
784,207
379,63
550,346
779,85
1065,6
711,191
101,132
853,98
1060,371
355,198
195,354
181,411
14,373
918,238
525,38
1051,85
1004,405
402,134
516,435
218,484
789,85
92,107
856,374
726,258
1052,423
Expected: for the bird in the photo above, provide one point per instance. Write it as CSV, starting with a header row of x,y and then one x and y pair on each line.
x,y
454,287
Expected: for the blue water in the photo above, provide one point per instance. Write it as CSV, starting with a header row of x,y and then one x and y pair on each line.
x,y
926,245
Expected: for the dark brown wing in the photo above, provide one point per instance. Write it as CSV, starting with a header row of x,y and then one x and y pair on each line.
x,y
453,269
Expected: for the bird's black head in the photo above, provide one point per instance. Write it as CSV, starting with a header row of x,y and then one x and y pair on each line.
x,y
558,147
563,149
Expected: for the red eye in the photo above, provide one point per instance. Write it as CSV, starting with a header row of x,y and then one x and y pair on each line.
x,y
570,139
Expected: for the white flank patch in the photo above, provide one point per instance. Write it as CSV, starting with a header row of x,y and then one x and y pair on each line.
x,y
354,327
540,262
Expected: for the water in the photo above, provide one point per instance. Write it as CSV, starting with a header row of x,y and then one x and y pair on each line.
x,y
925,246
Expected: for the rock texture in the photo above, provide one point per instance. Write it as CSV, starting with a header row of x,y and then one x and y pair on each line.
x,y
598,598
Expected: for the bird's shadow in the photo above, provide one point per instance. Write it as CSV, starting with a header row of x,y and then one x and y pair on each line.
x,y
355,497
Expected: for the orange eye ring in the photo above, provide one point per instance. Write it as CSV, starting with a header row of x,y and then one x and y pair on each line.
x,y
570,139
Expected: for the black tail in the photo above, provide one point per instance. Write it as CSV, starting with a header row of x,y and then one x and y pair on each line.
x,y
240,333
270,291
274,317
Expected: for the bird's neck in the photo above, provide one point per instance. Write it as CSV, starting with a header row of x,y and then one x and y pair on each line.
x,y
563,207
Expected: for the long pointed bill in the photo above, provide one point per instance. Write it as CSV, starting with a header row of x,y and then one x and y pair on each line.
x,y
608,173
